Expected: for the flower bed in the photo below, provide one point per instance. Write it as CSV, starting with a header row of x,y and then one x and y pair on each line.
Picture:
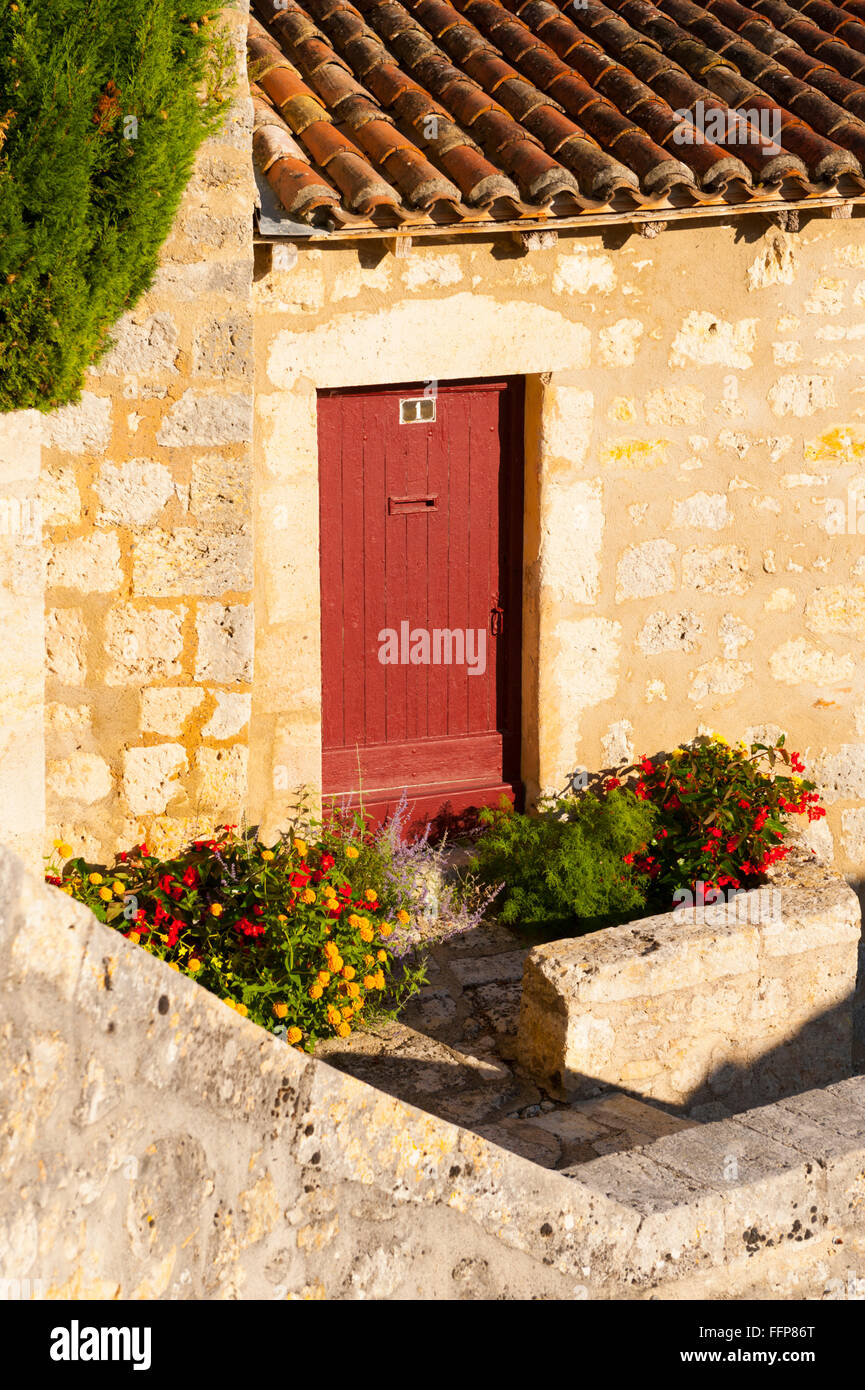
x,y
287,935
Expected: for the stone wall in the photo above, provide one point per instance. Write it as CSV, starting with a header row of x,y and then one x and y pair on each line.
x,y
147,496
742,1002
155,1145
693,403
22,603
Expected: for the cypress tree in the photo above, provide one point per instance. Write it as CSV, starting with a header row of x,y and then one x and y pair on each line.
x,y
103,104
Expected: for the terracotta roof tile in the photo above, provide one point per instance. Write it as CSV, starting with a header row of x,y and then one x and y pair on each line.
x,y
431,112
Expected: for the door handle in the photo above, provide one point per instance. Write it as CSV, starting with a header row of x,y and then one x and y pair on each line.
x,y
497,617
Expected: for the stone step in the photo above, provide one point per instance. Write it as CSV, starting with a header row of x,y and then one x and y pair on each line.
x,y
715,1195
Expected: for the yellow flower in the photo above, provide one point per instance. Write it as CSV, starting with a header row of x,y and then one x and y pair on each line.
x,y
95,878
343,1030
62,847
315,991
282,917
194,964
349,972
308,895
385,929
324,977
267,855
300,846
402,917
368,982
67,889
230,1003
294,1035
336,964
216,909
280,1010
333,1015
379,979
348,1012
133,936
371,895
351,852
381,955
353,919
118,887
369,960
106,895
353,991
242,1010
366,934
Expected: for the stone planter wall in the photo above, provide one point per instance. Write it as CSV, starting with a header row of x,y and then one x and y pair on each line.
x,y
742,1002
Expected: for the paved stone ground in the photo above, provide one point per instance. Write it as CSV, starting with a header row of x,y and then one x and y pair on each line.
x,y
452,1054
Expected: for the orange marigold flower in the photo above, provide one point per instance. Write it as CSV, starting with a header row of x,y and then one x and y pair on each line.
x,y
315,991
95,878
371,895
216,909
337,963
300,846
385,929
379,979
118,887
351,852
402,917
348,972
134,937
194,964
348,1012
324,977
294,1035
353,919
367,934
368,982
333,1015
242,1010
369,960
343,1030
267,855
308,895
381,955
106,894
280,1010
353,990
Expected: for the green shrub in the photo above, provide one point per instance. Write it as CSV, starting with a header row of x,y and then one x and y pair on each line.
x,y
103,104
568,861
281,934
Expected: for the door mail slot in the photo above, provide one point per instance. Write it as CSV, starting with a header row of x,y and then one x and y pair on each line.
x,y
400,506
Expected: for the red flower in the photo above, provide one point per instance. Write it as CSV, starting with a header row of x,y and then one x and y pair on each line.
x,y
122,856
258,910
142,849
647,766
174,931
298,880
327,862
190,878
610,783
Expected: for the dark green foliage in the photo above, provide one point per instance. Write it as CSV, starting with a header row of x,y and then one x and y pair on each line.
x,y
87,196
567,861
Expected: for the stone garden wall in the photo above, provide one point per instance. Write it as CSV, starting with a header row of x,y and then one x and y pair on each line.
x,y
155,1145
741,1002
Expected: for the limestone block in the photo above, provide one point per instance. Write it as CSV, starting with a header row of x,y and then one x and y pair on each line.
x,y
65,645
150,777
721,569
645,570
90,564
144,348
84,428
670,632
133,493
83,777
225,642
143,643
207,418
185,561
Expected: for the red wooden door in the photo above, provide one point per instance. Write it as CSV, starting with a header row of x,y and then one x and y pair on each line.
x,y
421,533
